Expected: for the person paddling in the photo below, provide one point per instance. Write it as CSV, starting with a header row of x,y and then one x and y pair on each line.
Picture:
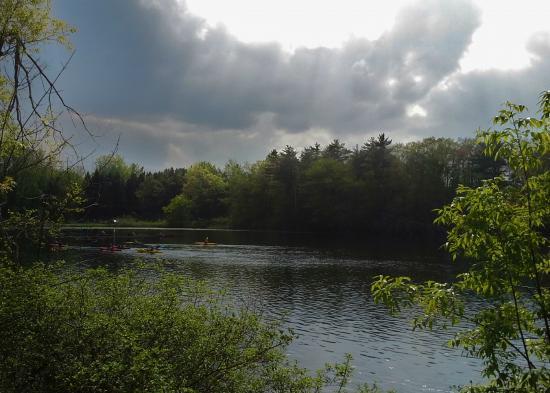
x,y
205,242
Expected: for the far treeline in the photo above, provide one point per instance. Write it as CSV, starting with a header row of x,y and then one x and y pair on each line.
x,y
377,187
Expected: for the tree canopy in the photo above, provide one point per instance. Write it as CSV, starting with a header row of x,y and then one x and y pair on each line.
x,y
501,228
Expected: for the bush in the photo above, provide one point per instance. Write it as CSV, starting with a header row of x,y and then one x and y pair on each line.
x,y
178,212
501,228
135,331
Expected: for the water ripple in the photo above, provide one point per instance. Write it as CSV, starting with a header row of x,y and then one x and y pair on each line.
x,y
325,299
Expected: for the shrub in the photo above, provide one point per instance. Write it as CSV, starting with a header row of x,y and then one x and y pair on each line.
x,y
133,331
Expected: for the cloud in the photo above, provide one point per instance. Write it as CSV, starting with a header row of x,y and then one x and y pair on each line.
x,y
162,77
471,99
172,142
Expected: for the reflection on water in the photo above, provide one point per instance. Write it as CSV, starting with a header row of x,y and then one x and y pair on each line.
x,y
321,291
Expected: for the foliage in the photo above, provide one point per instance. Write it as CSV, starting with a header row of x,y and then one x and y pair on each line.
x,y
28,132
156,191
36,192
30,22
327,183
115,166
140,331
202,198
501,228
116,189
178,211
30,230
379,187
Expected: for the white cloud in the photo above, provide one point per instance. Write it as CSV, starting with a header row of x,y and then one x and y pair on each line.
x,y
179,90
506,27
499,42
416,110
294,24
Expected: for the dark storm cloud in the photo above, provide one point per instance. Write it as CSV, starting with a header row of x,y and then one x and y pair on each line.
x,y
152,63
154,58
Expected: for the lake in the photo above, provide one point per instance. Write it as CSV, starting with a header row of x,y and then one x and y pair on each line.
x,y
319,286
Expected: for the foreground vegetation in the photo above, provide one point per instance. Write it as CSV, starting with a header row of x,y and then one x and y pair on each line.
x,y
501,227
103,332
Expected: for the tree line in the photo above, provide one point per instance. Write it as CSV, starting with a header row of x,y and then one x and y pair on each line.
x,y
380,186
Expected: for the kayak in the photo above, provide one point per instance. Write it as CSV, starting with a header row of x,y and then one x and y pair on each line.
x,y
205,243
110,249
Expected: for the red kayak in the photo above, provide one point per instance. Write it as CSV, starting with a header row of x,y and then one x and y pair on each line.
x,y
112,248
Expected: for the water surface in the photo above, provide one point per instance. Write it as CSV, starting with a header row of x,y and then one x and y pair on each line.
x,y
319,287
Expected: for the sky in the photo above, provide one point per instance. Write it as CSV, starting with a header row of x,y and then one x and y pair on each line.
x,y
181,81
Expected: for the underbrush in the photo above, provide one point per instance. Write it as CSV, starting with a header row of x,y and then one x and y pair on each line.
x,y
140,330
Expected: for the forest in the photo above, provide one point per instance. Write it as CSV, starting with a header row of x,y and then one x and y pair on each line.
x,y
379,186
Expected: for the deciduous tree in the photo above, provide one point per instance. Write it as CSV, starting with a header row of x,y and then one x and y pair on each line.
x,y
501,228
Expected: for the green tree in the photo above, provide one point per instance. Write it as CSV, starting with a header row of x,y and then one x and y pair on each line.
x,y
114,166
378,171
327,185
242,198
202,198
430,177
157,190
310,154
501,228
336,150
30,139
287,175
27,93
107,189
378,156
253,195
